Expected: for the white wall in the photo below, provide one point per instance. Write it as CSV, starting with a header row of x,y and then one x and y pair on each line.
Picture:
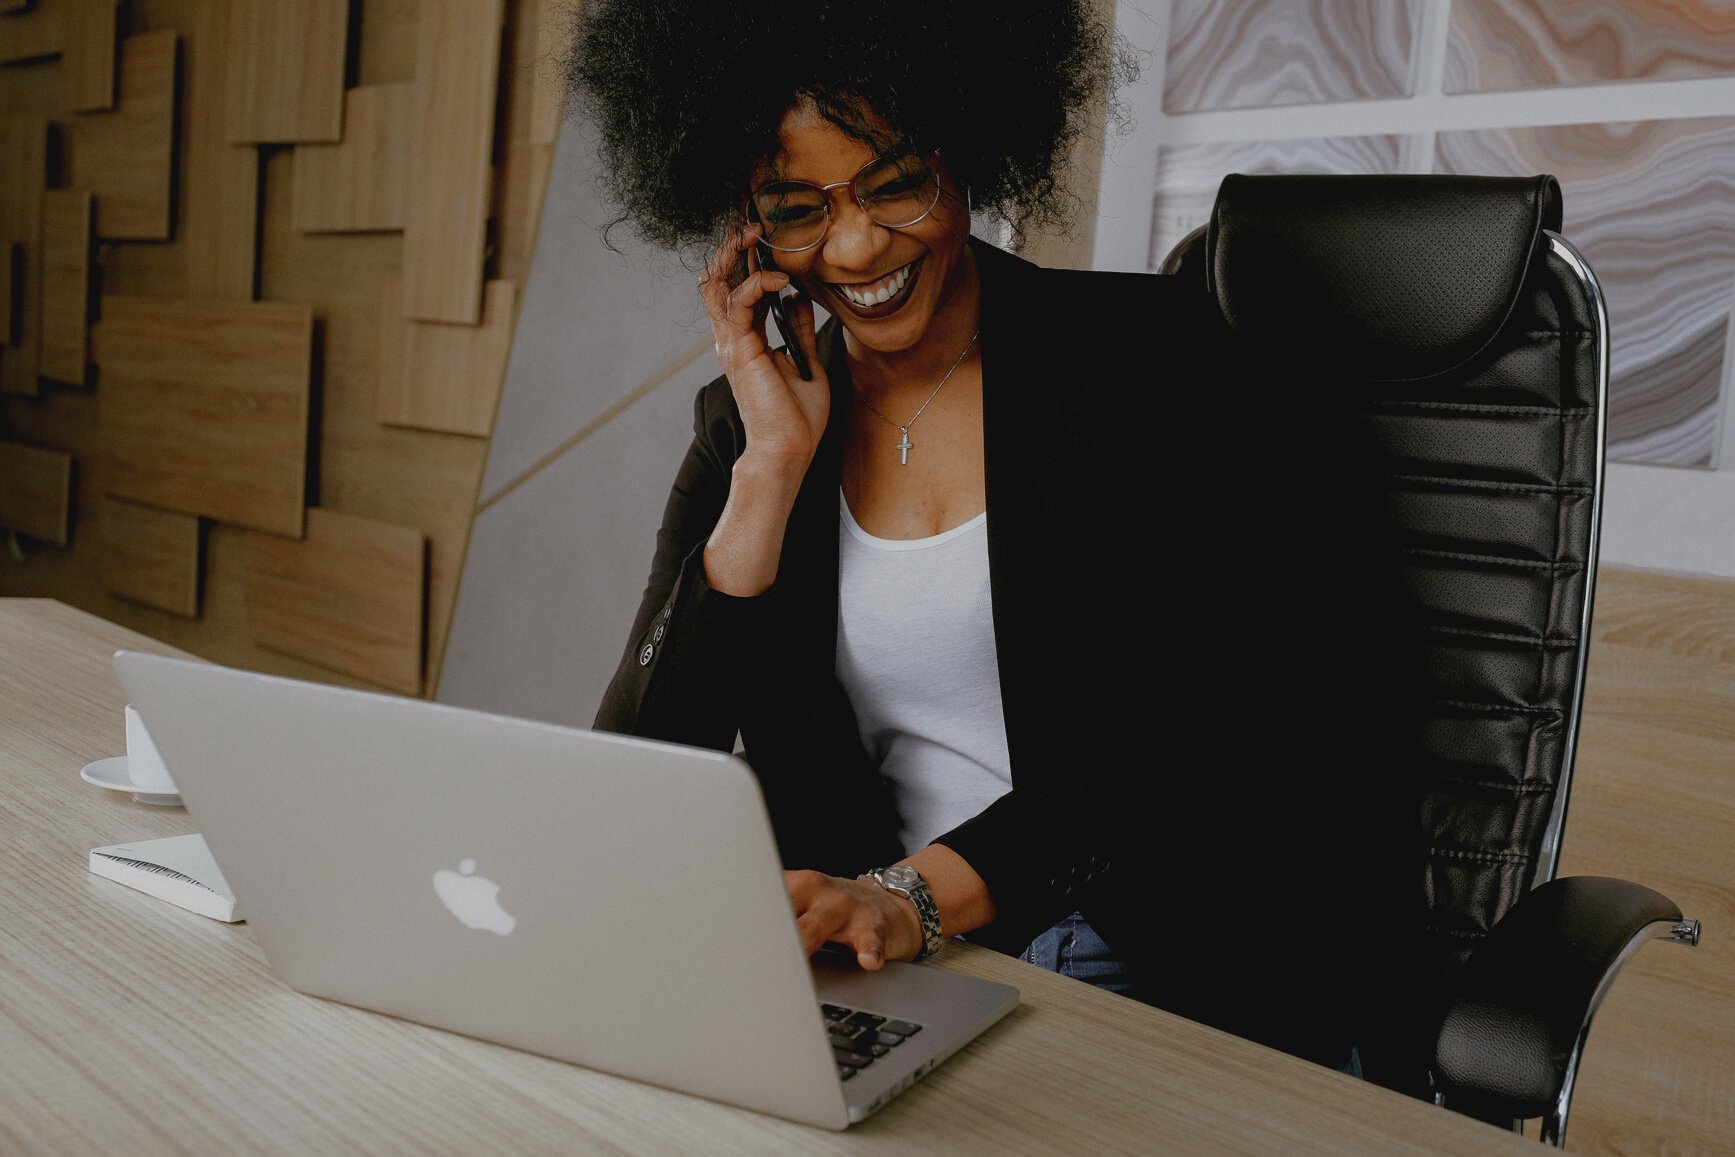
x,y
594,416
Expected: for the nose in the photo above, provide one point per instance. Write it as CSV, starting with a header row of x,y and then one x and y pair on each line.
x,y
853,241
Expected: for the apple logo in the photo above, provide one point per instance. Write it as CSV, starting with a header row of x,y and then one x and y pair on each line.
x,y
473,899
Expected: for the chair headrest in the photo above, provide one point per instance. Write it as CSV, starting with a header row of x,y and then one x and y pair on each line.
x,y
1390,277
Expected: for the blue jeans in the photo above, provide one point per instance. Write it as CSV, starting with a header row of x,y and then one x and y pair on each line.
x,y
1073,948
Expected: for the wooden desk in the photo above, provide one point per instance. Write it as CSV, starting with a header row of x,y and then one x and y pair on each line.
x,y
129,1025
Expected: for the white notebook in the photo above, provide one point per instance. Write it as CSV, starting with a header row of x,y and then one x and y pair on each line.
x,y
178,869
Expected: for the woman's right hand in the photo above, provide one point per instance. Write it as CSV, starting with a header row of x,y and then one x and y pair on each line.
x,y
784,416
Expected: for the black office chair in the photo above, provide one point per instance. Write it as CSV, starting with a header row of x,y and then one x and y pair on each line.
x,y
1471,341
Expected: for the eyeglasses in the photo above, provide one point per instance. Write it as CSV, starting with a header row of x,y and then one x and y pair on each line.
x,y
895,192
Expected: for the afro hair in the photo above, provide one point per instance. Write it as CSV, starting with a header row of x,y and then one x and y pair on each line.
x,y
684,97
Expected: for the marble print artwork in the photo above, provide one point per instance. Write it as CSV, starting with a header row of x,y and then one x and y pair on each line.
x,y
1501,45
1257,53
1652,206
1188,175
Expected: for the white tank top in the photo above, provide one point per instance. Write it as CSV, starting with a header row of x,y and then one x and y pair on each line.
x,y
915,653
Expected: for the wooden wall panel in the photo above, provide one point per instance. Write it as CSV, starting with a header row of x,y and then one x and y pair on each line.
x,y
242,245
126,157
535,103
11,290
451,147
287,81
547,82
66,254
444,377
350,596
24,165
33,33
87,67
152,556
204,407
358,184
36,499
386,42
393,473
220,205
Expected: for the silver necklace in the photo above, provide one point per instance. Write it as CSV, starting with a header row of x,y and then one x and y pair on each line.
x,y
904,446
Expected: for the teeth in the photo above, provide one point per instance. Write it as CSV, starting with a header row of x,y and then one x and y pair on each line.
x,y
891,285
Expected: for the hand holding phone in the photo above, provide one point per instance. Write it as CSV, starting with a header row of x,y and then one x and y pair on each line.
x,y
767,261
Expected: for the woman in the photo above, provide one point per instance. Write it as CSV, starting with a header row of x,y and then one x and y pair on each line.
x,y
914,582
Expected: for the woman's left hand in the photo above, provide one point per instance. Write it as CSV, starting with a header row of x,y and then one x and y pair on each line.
x,y
877,924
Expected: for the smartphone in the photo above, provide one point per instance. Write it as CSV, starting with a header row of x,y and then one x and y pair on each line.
x,y
767,261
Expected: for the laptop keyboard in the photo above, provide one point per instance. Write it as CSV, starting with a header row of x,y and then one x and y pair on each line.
x,y
860,1038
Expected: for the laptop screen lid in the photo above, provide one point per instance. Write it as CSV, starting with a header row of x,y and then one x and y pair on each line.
x,y
609,901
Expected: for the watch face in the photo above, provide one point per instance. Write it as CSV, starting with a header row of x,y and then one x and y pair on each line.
x,y
900,876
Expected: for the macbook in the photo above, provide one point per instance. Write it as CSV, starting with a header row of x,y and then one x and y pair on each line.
x,y
608,901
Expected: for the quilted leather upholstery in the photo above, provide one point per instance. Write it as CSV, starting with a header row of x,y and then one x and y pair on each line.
x,y
1470,351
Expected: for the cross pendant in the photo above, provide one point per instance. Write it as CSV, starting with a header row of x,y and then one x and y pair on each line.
x,y
903,448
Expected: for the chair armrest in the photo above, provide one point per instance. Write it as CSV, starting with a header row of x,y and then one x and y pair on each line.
x,y
1522,1004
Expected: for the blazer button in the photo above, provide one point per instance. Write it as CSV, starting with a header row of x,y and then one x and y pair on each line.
x,y
657,633
646,655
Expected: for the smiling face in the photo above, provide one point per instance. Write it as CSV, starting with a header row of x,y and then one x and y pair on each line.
x,y
892,289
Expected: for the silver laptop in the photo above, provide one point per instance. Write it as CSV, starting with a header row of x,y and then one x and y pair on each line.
x,y
612,902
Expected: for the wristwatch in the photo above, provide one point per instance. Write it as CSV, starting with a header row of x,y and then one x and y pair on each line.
x,y
907,882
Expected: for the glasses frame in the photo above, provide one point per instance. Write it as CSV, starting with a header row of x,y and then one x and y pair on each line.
x,y
927,159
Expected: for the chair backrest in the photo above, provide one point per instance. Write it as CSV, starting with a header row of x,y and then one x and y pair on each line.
x,y
1471,340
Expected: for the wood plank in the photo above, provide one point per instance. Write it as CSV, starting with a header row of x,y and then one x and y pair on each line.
x,y
451,147
36,499
126,157
204,406
100,981
286,84
11,290
357,185
1688,616
24,161
529,113
66,285
556,23
33,33
393,473
1653,802
386,42
87,66
435,376
220,206
152,556
398,474
350,596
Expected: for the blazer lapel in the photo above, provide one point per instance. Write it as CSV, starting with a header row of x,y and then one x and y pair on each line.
x,y
1018,382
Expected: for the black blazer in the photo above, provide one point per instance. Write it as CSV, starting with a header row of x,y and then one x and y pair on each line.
x,y
1147,644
